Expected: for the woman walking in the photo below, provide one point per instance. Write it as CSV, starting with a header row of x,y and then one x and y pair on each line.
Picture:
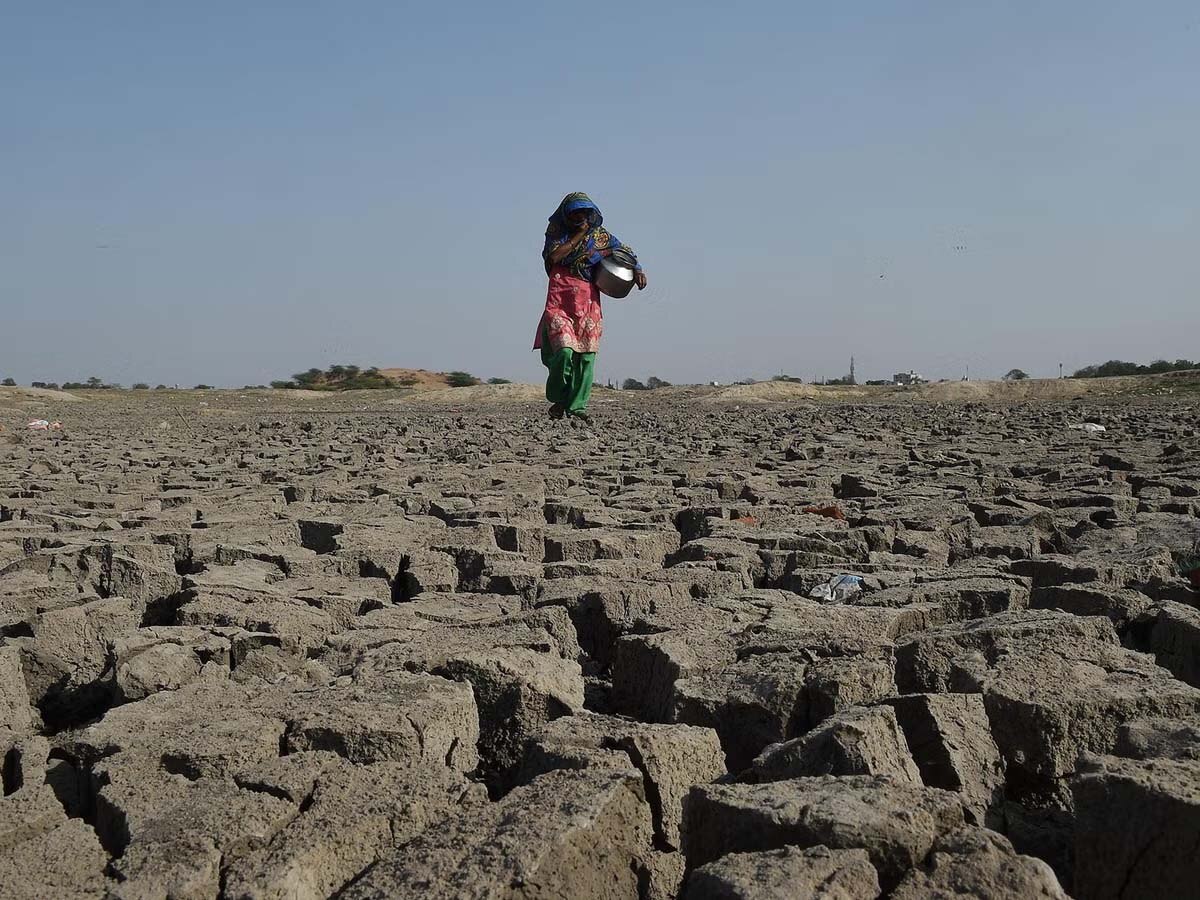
x,y
569,333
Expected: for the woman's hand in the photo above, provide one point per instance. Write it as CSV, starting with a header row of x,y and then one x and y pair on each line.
x,y
639,278
567,247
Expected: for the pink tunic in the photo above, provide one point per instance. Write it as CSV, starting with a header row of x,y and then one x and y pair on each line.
x,y
572,318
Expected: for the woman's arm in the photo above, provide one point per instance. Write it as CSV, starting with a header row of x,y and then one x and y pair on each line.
x,y
639,277
567,247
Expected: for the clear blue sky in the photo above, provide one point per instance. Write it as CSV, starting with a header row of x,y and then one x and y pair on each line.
x,y
231,192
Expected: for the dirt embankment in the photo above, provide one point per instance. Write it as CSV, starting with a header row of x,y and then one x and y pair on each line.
x,y
1033,389
480,393
782,392
417,379
24,394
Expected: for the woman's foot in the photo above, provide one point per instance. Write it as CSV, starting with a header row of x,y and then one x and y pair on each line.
x,y
582,417
557,411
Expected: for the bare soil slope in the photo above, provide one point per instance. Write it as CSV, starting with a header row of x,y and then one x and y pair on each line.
x,y
422,379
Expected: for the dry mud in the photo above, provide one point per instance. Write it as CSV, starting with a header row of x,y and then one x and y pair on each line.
x,y
270,646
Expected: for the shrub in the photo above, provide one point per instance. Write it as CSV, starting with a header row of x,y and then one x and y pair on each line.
x,y
632,384
653,383
9,382
461,379
310,378
1015,375
337,378
1120,367
141,386
203,387
92,384
499,381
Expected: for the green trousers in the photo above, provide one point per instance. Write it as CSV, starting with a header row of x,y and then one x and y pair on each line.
x,y
569,383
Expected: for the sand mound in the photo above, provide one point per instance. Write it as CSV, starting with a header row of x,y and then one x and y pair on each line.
x,y
765,392
31,393
300,393
1033,389
417,379
480,393
779,392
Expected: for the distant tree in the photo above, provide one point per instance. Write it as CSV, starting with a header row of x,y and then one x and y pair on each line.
x,y
38,384
337,378
203,387
95,382
408,380
160,387
308,379
1117,367
1120,367
632,384
1015,375
9,382
461,379
141,386
792,378
499,381
654,383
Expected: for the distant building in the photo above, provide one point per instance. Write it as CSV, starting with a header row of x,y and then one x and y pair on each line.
x,y
909,377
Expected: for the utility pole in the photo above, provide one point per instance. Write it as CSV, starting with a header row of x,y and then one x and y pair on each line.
x,y
1060,375
852,381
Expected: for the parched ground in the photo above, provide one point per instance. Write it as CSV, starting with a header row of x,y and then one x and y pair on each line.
x,y
270,644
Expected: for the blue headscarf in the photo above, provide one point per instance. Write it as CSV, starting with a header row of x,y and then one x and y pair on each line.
x,y
589,252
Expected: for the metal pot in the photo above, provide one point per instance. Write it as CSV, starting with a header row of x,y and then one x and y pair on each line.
x,y
614,277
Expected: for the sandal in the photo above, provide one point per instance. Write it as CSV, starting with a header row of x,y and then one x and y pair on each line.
x,y
557,411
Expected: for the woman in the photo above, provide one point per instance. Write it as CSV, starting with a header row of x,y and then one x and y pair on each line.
x,y
569,333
